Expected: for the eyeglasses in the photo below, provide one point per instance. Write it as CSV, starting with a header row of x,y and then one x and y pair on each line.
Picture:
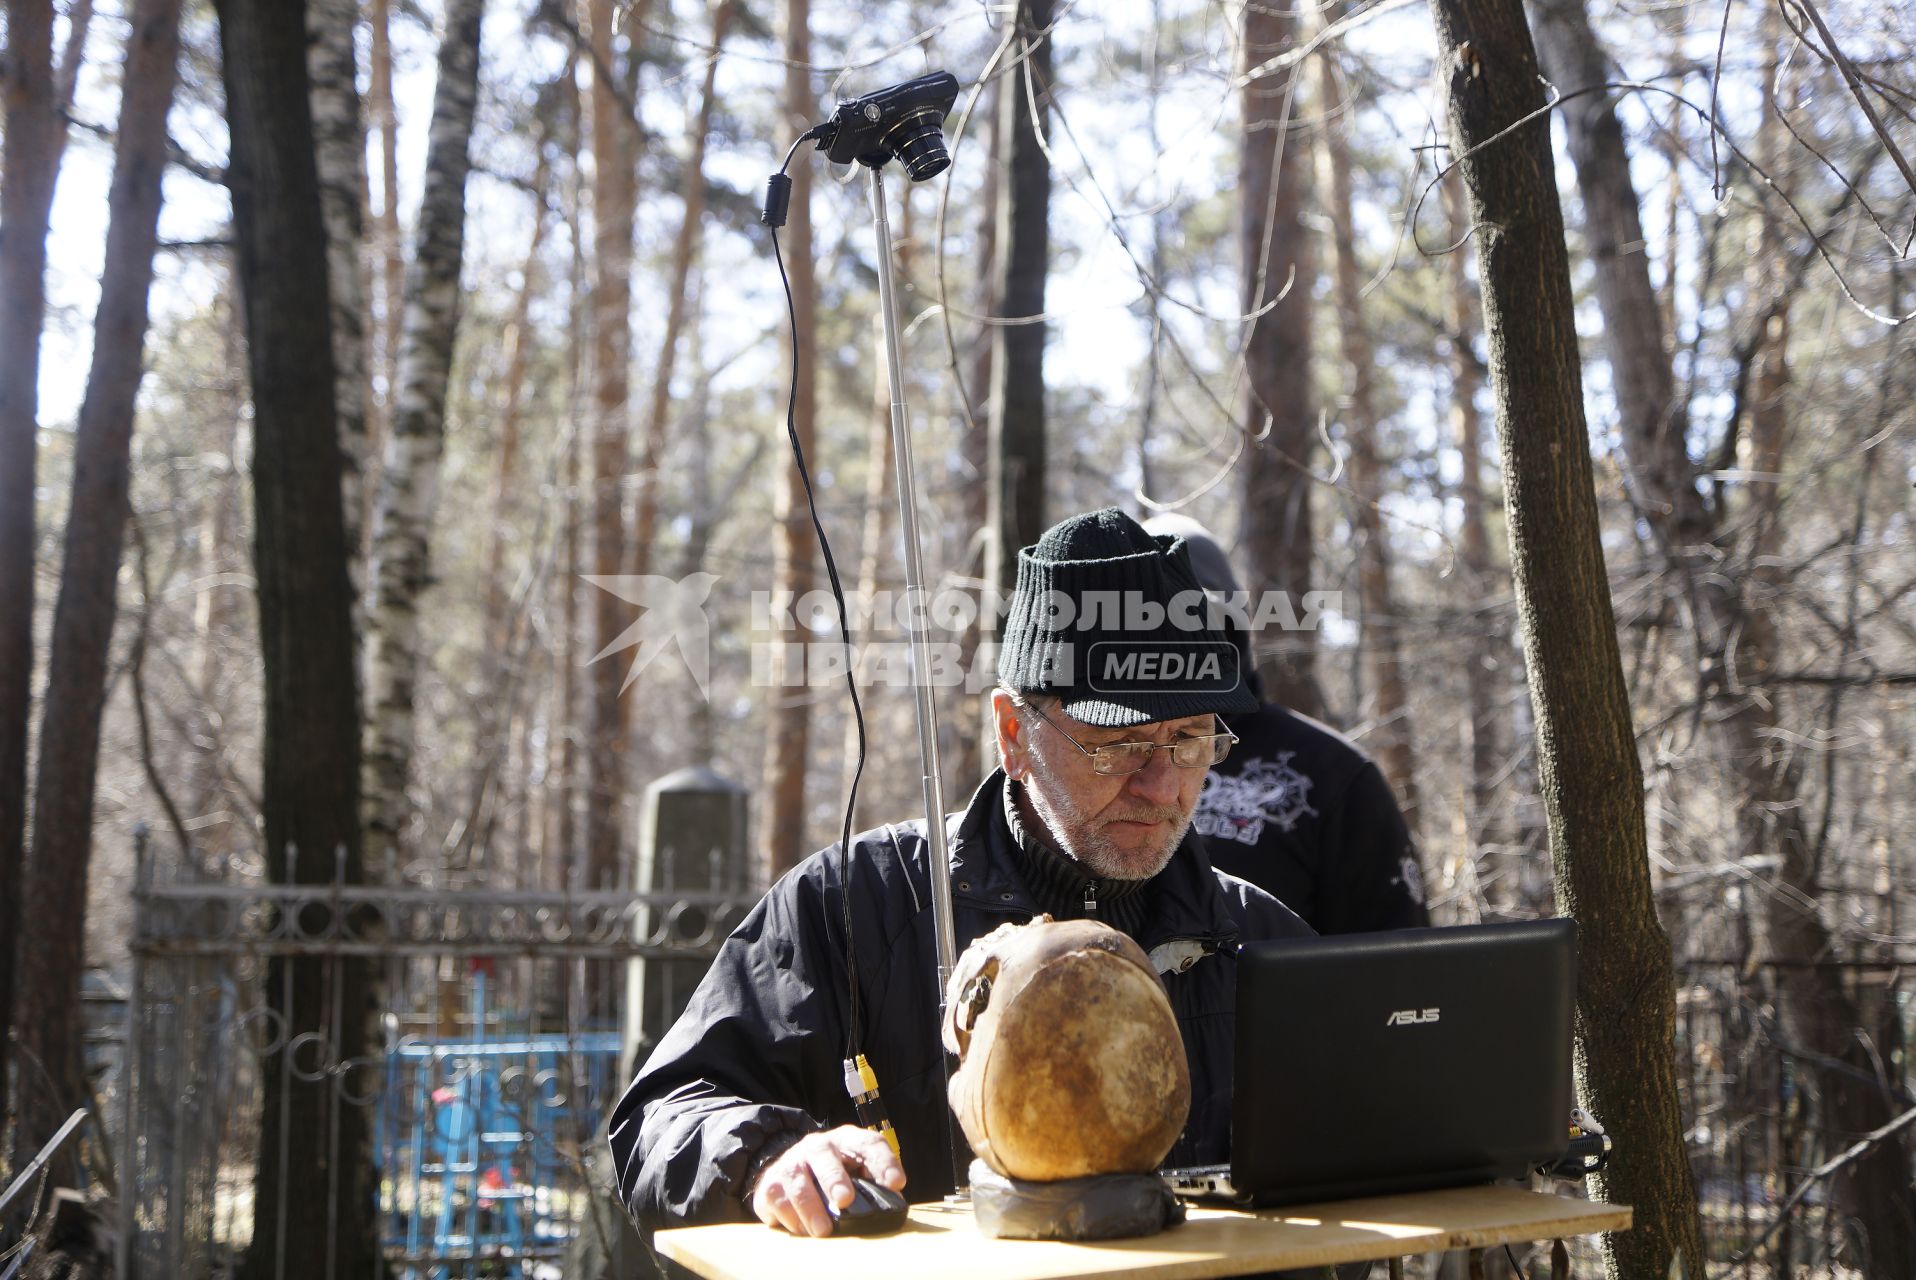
x,y
1199,752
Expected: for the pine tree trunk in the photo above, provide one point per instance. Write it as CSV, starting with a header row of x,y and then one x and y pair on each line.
x,y
1390,740
409,482
339,141
614,160
28,167
36,99
685,252
1280,425
1815,1010
1652,416
1734,611
1016,487
53,892
1587,762
505,476
788,730
310,735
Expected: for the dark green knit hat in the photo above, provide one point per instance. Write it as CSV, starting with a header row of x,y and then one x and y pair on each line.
x,y
1112,621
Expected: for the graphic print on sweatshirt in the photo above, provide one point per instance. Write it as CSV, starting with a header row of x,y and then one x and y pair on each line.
x,y
1264,791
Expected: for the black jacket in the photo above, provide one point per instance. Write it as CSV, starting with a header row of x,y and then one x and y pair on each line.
x,y
757,1056
1301,812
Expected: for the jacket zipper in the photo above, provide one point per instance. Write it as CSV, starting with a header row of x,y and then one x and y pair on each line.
x,y
1090,900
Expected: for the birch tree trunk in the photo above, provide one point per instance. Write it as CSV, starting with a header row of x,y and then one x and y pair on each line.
x,y
53,892
409,481
1279,423
788,731
615,136
1587,763
36,97
310,735
339,144
1390,710
1016,488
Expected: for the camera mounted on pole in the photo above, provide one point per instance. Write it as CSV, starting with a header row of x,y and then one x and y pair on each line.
x,y
905,122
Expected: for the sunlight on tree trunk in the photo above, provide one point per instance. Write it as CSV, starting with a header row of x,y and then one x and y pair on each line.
x,y
788,729
1586,750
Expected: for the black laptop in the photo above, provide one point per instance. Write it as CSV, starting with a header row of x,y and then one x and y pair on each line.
x,y
1386,1062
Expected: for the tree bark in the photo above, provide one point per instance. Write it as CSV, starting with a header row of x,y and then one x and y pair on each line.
x,y
53,892
1588,770
28,168
310,736
409,482
1280,425
615,143
1734,610
1016,486
37,96
685,252
1653,419
788,731
1390,740
518,349
339,142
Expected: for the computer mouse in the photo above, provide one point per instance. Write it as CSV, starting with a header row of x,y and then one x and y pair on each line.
x,y
875,1210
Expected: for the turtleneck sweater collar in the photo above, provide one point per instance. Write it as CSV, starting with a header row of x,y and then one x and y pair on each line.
x,y
1065,887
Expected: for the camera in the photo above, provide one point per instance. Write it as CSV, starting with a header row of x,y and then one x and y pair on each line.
x,y
906,121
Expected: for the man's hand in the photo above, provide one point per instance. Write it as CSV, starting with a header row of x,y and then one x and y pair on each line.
x,y
792,1190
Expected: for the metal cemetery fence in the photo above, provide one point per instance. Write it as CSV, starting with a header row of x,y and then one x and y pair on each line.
x,y
493,1048
1754,1130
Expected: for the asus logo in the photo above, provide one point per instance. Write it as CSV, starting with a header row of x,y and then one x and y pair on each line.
x,y
1410,1017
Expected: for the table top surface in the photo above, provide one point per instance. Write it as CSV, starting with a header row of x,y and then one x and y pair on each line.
x,y
941,1243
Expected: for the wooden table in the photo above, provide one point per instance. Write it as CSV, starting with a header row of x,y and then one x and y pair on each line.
x,y
940,1242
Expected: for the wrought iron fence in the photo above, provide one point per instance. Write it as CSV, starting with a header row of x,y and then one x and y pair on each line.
x,y
500,1035
1755,1135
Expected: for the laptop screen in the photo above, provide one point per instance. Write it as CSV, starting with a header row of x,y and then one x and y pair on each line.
x,y
1369,1063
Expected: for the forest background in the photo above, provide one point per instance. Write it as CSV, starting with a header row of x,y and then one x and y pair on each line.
x,y
1193,257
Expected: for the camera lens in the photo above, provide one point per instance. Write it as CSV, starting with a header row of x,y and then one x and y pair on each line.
x,y
918,140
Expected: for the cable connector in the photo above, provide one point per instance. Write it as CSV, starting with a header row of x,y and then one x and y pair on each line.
x,y
861,1083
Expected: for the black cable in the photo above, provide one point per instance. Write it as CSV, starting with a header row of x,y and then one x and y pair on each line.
x,y
845,634
1513,1264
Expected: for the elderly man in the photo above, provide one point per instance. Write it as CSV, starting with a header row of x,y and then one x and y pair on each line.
x,y
1106,727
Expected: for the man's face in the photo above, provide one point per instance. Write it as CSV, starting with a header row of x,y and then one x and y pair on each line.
x,y
1123,827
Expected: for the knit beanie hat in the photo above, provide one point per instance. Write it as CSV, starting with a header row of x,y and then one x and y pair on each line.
x,y
1113,622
